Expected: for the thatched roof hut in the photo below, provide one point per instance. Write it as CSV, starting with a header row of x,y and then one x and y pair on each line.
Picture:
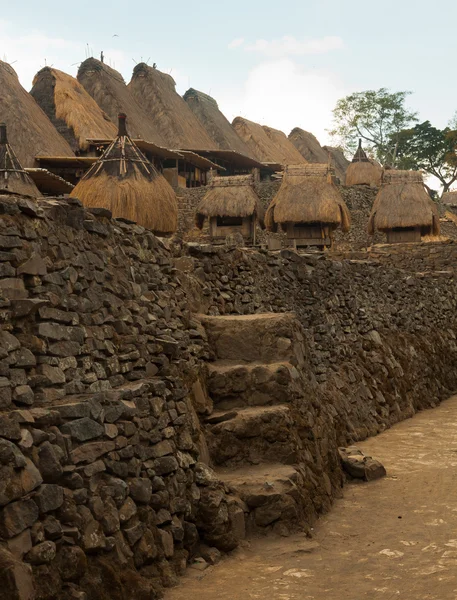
x,y
176,123
266,144
126,183
107,87
339,161
308,196
215,123
449,198
73,112
13,178
403,205
232,197
308,146
28,126
363,171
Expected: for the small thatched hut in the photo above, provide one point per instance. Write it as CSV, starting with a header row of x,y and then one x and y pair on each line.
x,y
339,161
308,206
176,123
363,171
126,183
232,206
267,145
449,198
73,112
107,87
28,126
403,209
13,178
217,126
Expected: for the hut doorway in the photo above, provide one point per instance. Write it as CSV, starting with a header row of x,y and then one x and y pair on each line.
x,y
305,234
221,227
403,235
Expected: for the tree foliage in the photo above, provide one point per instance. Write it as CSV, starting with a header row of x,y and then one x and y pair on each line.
x,y
376,116
429,149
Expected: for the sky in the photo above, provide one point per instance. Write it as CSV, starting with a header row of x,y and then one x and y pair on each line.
x,y
282,64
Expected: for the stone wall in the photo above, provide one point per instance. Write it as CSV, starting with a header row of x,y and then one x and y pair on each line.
x,y
104,492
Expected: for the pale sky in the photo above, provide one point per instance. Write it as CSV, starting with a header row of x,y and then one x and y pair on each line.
x,y
282,64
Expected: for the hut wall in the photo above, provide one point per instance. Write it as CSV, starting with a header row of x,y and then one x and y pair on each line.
x,y
397,236
309,235
221,227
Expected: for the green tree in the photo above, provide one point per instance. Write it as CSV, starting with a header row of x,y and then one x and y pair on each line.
x,y
376,116
429,149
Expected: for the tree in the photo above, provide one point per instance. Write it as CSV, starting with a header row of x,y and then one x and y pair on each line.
x,y
429,149
376,116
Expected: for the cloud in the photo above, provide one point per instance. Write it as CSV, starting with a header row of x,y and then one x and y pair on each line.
x,y
284,95
236,43
291,46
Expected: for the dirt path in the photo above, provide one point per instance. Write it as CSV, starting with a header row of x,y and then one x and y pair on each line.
x,y
393,538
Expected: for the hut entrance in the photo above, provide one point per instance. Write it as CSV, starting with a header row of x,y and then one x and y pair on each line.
x,y
305,234
403,234
221,227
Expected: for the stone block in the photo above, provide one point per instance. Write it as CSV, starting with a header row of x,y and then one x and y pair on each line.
x,y
48,497
83,429
16,517
16,581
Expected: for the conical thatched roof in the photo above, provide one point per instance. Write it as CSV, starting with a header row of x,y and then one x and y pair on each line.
x,y
13,178
215,123
363,171
267,144
449,198
230,197
126,183
339,161
403,202
107,87
32,131
74,113
308,146
172,117
307,195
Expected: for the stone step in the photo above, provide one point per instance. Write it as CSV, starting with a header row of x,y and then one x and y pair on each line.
x,y
234,385
252,435
272,493
264,337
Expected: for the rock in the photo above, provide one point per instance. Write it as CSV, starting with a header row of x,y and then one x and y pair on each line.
x,y
93,538
42,553
359,466
11,455
165,465
71,562
16,483
9,428
49,497
20,544
211,555
23,394
166,542
127,510
49,462
16,517
199,564
83,429
35,265
8,342
91,451
16,581
141,489
52,375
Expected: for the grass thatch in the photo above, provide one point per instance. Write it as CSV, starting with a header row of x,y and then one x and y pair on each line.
x,y
307,195
172,117
364,173
74,113
308,146
108,89
126,183
230,197
267,144
449,198
13,178
403,202
339,161
214,122
32,132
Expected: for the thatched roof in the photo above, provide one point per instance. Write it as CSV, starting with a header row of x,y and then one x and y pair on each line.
x,y
126,183
215,123
108,89
307,195
363,171
403,202
266,144
74,113
449,198
339,161
30,129
309,147
13,178
230,197
172,117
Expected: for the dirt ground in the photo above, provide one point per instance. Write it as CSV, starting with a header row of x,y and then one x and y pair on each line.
x,y
392,538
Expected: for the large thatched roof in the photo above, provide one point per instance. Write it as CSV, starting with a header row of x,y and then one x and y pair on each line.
x,y
267,144
215,123
403,202
74,113
30,129
449,198
175,122
363,171
108,89
230,197
307,195
339,161
309,147
126,183
13,178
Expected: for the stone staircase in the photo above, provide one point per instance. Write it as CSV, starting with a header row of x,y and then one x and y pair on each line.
x,y
253,441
